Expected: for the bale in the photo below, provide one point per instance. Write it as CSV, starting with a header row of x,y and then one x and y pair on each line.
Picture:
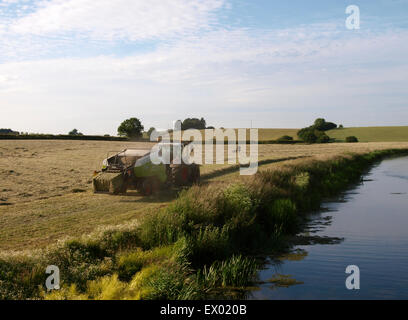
x,y
107,182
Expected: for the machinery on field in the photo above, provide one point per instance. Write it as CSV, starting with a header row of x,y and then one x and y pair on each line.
x,y
133,169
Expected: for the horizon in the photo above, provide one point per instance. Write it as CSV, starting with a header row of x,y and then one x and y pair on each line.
x,y
162,129
73,64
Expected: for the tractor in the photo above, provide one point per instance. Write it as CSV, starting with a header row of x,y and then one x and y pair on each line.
x,y
134,169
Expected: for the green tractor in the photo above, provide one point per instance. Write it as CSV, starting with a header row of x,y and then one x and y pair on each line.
x,y
133,169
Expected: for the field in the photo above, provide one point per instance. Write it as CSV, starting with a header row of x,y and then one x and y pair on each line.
x,y
364,134
371,134
266,134
46,186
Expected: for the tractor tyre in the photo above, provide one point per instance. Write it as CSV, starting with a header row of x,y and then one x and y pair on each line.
x,y
150,186
180,175
194,174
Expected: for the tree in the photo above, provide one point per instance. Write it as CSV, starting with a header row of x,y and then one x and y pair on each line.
x,y
307,135
285,138
75,132
351,139
321,125
131,128
149,132
193,123
321,137
9,132
316,132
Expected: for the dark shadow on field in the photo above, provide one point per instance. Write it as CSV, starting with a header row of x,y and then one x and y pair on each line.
x,y
165,195
231,169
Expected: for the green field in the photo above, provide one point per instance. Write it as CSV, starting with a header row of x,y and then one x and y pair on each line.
x,y
371,134
266,134
364,134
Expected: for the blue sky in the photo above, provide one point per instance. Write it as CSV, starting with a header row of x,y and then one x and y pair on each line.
x,y
83,64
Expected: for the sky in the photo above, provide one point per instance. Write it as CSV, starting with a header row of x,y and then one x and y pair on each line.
x,y
90,64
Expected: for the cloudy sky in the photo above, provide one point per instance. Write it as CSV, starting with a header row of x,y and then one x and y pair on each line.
x,y
90,64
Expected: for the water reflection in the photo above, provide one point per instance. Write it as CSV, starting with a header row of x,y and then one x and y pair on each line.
x,y
366,226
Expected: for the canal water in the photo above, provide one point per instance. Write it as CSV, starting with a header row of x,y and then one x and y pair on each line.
x,y
366,226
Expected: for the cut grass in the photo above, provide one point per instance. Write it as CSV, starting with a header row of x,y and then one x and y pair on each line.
x,y
42,222
36,209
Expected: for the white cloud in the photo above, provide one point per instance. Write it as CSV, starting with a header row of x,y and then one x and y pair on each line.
x,y
235,74
199,68
118,20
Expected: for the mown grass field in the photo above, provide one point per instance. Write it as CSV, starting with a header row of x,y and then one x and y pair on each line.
x,y
45,192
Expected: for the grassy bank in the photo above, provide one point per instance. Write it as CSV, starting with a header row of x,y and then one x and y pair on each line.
x,y
200,246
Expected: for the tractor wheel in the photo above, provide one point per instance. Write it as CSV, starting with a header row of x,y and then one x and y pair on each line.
x,y
180,175
194,174
150,186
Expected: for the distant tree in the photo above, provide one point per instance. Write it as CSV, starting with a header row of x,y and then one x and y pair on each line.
x,y
307,135
341,126
321,137
131,128
321,125
210,127
316,132
9,132
193,123
351,139
149,132
285,138
75,132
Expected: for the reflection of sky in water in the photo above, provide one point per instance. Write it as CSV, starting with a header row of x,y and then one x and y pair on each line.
x,y
374,224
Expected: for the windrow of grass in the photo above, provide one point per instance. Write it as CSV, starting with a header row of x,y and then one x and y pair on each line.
x,y
198,247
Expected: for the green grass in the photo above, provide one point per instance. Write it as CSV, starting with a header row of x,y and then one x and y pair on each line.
x,y
268,134
371,134
364,134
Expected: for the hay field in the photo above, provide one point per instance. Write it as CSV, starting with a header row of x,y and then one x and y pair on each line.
x,y
45,188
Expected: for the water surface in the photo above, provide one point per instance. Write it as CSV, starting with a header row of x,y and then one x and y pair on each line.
x,y
367,226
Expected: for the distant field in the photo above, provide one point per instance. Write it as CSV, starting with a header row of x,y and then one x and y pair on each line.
x,y
364,134
371,134
273,134
46,195
267,134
